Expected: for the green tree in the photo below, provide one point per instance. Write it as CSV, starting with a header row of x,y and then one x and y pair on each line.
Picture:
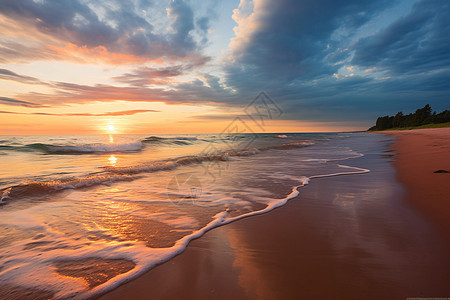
x,y
422,115
398,120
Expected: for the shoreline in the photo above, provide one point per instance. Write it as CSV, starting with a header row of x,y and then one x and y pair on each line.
x,y
420,153
344,237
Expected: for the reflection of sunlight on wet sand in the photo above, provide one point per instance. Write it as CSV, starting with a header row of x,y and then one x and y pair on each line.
x,y
344,199
251,279
112,160
352,199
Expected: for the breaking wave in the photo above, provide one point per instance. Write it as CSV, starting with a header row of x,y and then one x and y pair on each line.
x,y
40,188
76,149
113,174
169,141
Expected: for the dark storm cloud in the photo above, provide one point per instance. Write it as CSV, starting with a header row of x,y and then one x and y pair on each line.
x,y
118,26
419,42
298,46
293,40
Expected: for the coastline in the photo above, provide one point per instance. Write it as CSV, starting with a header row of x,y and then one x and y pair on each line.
x,y
344,237
421,152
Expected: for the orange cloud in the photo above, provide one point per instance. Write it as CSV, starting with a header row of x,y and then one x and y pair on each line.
x,y
99,54
107,114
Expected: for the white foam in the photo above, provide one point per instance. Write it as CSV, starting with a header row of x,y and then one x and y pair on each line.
x,y
5,195
301,179
30,270
162,255
358,171
220,219
40,272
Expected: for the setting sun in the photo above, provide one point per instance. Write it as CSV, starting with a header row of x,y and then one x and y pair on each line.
x,y
111,128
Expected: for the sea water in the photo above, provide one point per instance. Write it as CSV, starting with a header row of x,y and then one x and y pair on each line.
x,y
79,215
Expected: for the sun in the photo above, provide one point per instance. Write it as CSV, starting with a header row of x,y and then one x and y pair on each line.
x,y
111,128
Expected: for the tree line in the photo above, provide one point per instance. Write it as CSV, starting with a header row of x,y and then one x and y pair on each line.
x,y
422,116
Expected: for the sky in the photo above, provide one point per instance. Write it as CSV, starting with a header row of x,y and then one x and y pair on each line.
x,y
192,66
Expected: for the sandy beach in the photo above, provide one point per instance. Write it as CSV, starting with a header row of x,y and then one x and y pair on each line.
x,y
422,152
347,237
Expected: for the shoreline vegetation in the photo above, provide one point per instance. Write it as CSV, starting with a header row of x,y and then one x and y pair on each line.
x,y
421,119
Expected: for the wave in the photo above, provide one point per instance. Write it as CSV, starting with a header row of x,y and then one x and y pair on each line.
x,y
145,258
40,188
76,149
113,173
93,148
109,175
170,141
7,147
222,218
288,146
180,161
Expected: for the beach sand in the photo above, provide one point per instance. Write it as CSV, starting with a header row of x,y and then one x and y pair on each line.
x,y
345,237
421,153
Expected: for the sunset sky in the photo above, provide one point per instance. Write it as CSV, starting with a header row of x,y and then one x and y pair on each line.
x,y
144,66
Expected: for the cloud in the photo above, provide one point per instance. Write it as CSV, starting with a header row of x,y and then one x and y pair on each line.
x,y
419,42
10,75
319,60
182,24
107,114
15,102
11,51
69,93
147,75
290,39
203,24
291,49
227,117
207,90
124,29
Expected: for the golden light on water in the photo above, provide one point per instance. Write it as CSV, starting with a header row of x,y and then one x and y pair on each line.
x,y
112,160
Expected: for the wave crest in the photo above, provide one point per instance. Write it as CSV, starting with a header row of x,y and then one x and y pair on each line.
x,y
87,148
170,141
39,188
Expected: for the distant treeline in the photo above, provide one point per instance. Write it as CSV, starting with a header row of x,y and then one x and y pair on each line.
x,y
422,116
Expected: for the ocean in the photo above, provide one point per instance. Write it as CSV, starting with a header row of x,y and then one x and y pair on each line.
x,y
79,215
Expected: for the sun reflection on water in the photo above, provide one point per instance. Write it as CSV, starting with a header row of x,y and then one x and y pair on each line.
x,y
112,160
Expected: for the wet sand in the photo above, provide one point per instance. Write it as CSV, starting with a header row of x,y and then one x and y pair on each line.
x,y
422,152
345,237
